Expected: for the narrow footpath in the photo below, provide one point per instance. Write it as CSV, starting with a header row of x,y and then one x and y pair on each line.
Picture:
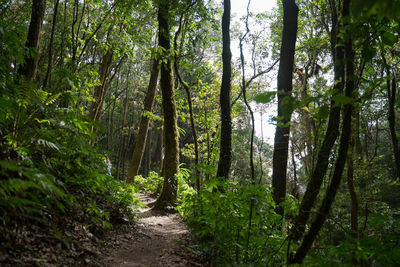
x,y
160,239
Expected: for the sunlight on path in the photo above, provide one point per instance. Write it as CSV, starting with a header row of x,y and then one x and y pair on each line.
x,y
158,242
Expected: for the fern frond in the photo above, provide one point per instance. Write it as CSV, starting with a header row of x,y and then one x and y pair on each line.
x,y
47,144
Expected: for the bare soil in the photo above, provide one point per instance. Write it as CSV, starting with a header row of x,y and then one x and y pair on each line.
x,y
156,239
159,239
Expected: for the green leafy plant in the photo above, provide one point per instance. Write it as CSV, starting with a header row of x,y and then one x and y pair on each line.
x,y
220,220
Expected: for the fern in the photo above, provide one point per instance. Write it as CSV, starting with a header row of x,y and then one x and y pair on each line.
x,y
47,144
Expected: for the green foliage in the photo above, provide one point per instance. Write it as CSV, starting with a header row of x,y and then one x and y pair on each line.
x,y
220,220
265,97
379,246
47,165
152,184
382,9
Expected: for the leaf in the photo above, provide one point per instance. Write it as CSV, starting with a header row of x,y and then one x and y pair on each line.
x,y
342,99
265,97
389,38
323,112
368,52
48,144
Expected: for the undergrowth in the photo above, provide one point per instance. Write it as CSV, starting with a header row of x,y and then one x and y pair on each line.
x,y
221,222
153,183
49,167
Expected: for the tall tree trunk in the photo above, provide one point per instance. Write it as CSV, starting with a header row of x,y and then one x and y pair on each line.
x,y
148,160
110,128
161,152
189,100
169,192
295,189
122,146
330,194
285,85
392,124
352,190
225,154
331,134
50,51
100,90
391,88
29,67
144,124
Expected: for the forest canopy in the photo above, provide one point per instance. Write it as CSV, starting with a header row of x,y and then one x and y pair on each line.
x,y
100,100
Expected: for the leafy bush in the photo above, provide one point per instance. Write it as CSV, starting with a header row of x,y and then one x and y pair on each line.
x,y
152,184
48,165
221,222
377,246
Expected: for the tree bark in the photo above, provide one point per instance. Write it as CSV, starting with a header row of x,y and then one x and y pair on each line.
x,y
122,146
189,100
330,194
225,154
100,90
391,88
29,67
285,86
148,159
352,190
144,124
50,51
331,134
171,160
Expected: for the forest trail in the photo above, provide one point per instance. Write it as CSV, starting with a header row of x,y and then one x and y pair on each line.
x,y
161,240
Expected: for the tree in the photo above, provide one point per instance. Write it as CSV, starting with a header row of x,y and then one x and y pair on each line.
x,y
332,130
96,108
285,74
225,153
144,123
29,67
171,160
331,191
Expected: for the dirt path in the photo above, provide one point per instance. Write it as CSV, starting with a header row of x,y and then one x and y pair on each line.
x,y
160,239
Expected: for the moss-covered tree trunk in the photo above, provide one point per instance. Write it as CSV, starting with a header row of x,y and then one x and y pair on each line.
x,y
171,146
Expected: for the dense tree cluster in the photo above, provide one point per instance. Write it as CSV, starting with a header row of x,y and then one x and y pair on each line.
x,y
153,86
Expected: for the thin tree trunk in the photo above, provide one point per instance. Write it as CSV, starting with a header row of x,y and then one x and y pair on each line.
x,y
285,85
110,128
120,165
391,89
352,191
225,154
392,125
260,149
189,100
169,192
330,194
244,88
161,152
50,55
331,134
29,67
100,90
295,189
148,161
144,124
